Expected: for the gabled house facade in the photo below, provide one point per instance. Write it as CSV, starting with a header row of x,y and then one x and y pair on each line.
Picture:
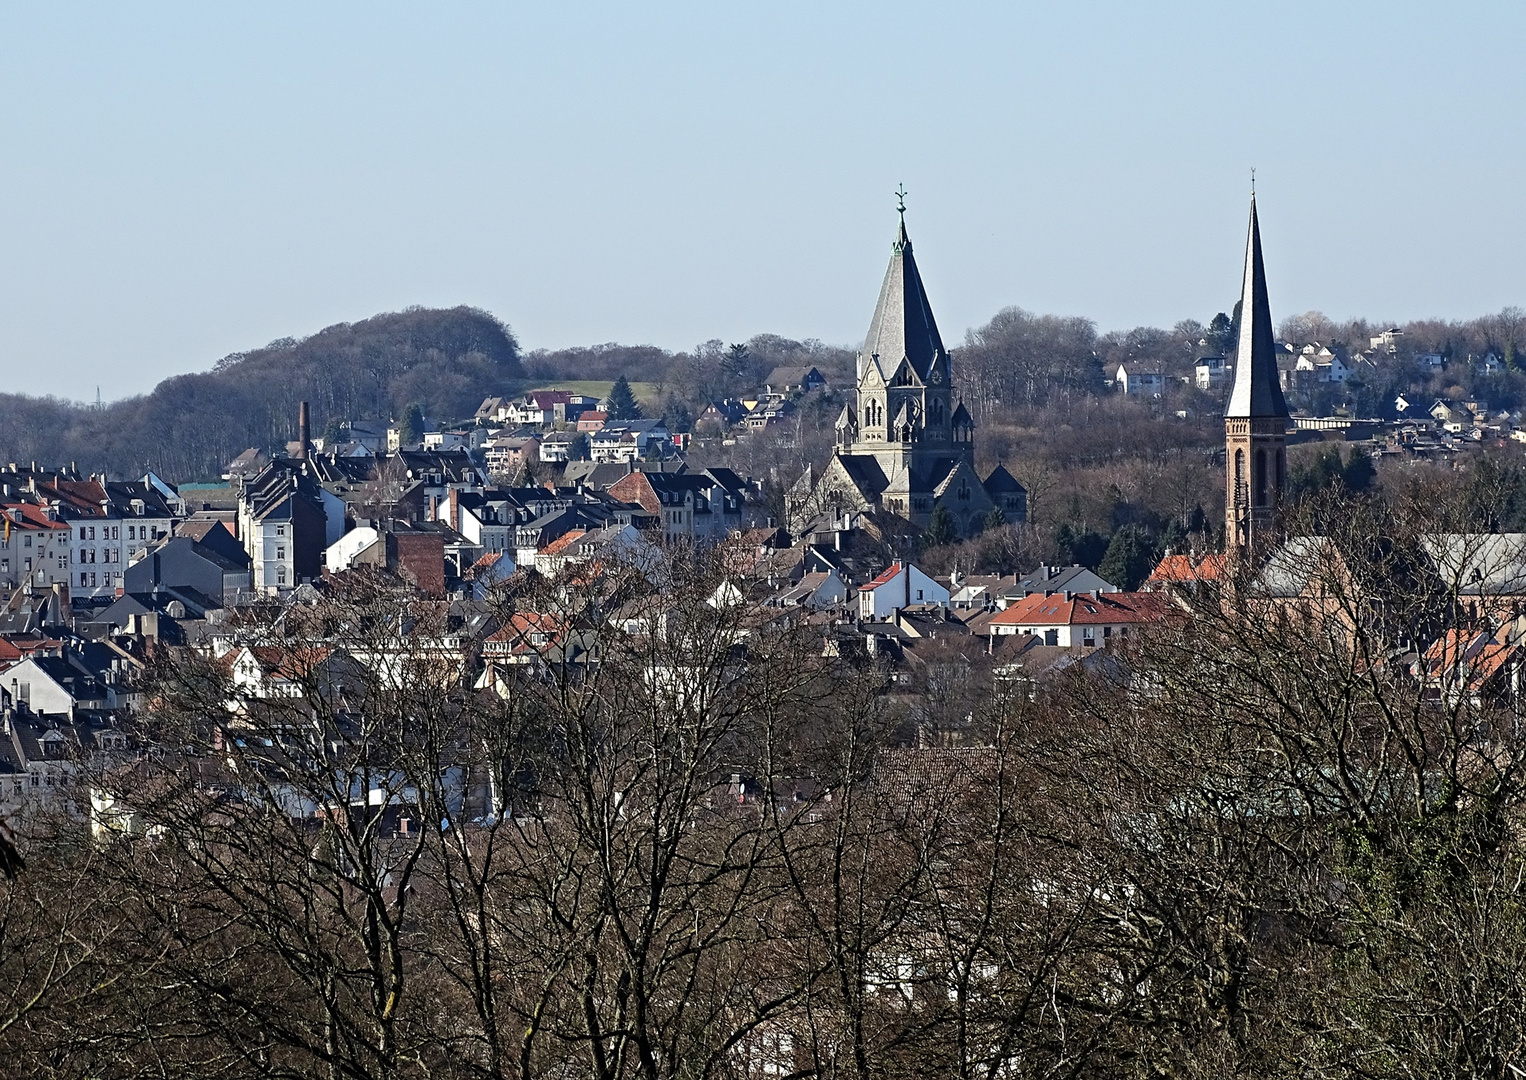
x,y
900,586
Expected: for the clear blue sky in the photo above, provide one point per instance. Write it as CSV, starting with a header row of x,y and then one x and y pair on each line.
x,y
178,181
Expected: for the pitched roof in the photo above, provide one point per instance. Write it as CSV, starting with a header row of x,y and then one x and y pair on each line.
x,y
999,481
1181,570
30,516
1083,609
889,574
563,542
1258,390
903,326
789,376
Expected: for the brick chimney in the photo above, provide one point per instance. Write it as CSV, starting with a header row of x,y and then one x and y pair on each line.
x,y
304,433
455,509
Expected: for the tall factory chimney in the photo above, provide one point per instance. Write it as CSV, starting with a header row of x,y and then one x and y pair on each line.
x,y
304,433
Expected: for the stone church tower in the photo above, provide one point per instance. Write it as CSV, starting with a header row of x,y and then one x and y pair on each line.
x,y
1256,421
905,442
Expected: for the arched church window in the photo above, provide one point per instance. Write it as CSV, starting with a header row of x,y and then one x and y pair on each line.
x,y
1282,471
937,411
1239,467
1259,479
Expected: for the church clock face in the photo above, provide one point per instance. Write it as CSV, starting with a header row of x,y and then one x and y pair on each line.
x,y
936,376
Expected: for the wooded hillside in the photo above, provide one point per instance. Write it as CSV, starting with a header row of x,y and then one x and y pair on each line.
x,y
189,426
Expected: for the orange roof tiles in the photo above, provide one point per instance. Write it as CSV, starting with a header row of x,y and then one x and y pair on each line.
x,y
563,542
886,577
28,516
1180,569
1082,609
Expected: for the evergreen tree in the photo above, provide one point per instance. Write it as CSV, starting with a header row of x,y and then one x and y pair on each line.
x,y
1130,558
1326,468
1081,547
1359,472
621,403
995,519
1220,333
737,361
413,425
1174,536
941,529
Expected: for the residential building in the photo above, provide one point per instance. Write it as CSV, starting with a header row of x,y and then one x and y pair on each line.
x,y
285,528
1087,620
1212,372
1065,580
627,440
1139,383
506,454
692,507
34,546
785,381
557,446
901,585
216,567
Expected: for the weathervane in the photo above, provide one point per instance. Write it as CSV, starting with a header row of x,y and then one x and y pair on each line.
x,y
1252,179
900,194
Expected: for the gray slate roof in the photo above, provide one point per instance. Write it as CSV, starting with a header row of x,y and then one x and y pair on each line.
x,y
903,325
1257,391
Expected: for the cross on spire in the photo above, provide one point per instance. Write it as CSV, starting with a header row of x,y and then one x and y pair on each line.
x,y
900,196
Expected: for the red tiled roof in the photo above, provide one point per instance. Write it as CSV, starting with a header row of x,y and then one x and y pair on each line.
x,y
563,542
27,516
1180,569
1480,655
13,649
1083,609
885,578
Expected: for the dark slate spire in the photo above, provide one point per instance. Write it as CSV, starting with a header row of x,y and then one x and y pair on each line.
x,y
903,323
1257,390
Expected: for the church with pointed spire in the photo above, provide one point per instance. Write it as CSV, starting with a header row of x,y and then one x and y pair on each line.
x,y
1256,421
905,441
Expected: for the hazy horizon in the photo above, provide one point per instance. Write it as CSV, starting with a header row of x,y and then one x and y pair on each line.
x,y
184,183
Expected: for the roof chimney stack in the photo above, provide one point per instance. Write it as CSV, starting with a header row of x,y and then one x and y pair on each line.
x,y
304,433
